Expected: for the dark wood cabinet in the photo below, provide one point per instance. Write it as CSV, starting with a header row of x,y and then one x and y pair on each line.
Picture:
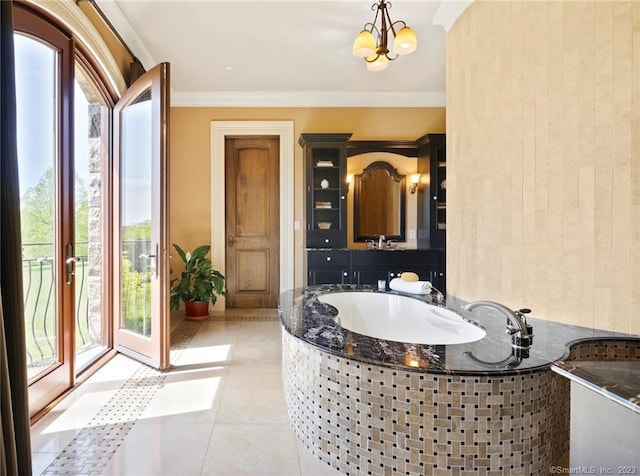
x,y
367,267
432,200
328,259
328,267
326,204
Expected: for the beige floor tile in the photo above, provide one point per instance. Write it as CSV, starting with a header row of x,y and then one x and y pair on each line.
x,y
260,332
248,405
254,376
255,450
162,449
255,354
188,396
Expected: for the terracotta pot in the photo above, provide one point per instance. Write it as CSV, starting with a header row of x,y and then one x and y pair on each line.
x,y
196,310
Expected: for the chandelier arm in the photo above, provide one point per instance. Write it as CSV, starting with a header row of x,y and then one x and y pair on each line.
x,y
398,22
372,60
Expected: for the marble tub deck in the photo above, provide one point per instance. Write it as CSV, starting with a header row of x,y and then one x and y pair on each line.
x,y
308,319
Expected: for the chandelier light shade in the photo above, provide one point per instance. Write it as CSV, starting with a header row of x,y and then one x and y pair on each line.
x,y
372,43
364,44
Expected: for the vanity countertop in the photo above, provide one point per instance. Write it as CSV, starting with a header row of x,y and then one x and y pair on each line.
x,y
374,250
618,381
310,320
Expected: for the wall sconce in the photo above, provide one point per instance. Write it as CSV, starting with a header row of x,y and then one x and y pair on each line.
x,y
348,181
415,180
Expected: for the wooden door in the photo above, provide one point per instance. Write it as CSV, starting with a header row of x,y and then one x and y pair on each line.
x,y
252,221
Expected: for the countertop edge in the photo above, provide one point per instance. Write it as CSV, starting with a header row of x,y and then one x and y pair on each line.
x,y
569,371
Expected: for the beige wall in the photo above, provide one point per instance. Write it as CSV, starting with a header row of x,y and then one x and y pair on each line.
x,y
543,155
190,210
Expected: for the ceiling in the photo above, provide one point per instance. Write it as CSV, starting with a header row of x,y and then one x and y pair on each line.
x,y
281,53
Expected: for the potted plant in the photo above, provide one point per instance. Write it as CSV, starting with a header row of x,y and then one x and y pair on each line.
x,y
198,285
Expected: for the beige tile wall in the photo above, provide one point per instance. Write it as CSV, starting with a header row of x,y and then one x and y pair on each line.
x,y
543,155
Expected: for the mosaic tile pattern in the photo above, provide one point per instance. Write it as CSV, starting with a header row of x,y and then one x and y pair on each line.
x,y
94,446
244,317
606,350
366,419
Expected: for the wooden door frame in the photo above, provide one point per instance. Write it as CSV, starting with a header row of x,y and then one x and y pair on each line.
x,y
282,129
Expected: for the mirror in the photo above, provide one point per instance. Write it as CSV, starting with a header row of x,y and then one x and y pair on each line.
x,y
379,203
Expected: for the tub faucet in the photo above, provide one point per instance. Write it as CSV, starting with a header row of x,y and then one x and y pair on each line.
x,y
521,332
381,239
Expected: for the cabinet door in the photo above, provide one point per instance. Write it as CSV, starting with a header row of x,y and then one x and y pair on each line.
x,y
427,264
370,266
328,267
438,190
371,275
325,158
432,200
327,276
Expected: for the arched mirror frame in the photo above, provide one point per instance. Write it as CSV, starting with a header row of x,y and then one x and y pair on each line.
x,y
406,148
395,180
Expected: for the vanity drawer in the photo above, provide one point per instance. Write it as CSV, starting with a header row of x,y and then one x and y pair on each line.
x,y
333,259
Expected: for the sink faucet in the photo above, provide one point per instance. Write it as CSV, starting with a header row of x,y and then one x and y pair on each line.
x,y
381,241
521,332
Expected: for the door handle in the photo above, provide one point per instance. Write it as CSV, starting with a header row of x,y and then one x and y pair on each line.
x,y
154,257
70,263
230,240
71,267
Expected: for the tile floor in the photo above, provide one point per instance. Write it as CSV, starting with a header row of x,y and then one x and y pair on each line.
x,y
219,411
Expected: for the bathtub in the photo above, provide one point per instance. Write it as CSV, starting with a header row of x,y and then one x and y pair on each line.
x,y
370,405
400,318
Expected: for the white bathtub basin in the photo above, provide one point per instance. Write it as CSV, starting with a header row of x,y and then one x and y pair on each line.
x,y
401,319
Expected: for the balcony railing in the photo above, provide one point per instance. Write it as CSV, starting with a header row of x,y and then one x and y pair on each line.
x,y
40,300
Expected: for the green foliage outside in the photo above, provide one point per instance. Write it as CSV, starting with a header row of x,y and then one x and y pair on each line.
x,y
38,229
136,299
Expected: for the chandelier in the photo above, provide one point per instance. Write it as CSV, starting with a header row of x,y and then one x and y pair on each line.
x,y
372,42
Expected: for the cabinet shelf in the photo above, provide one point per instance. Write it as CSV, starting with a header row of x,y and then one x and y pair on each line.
x,y
325,163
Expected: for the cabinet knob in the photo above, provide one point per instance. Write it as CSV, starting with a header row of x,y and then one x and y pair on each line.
x,y
328,258
435,197
345,273
327,240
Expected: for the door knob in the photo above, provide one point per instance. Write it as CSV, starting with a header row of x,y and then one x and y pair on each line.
x,y
230,240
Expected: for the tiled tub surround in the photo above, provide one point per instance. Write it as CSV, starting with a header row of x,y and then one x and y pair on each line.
x,y
370,406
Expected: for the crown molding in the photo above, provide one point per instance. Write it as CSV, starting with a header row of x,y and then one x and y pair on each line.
x,y
112,11
308,99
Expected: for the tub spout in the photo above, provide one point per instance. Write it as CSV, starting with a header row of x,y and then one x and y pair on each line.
x,y
521,332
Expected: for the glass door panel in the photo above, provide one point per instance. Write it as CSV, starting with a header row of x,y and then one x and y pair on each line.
x,y
91,136
141,222
138,259
37,113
